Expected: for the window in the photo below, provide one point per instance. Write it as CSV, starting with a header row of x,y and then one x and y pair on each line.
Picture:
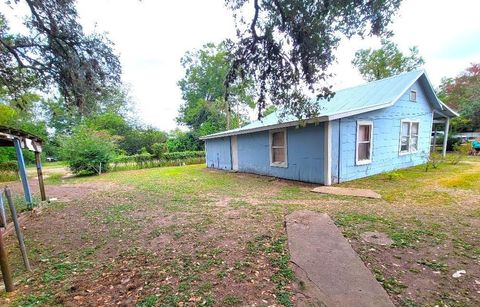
x,y
364,142
278,148
413,95
408,137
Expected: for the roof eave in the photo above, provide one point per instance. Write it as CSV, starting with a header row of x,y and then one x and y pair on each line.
x,y
264,128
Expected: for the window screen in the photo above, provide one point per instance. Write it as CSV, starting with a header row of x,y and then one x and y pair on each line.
x,y
405,137
364,142
413,96
414,137
278,147
409,137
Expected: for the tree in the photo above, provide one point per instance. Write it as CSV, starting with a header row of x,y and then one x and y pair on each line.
x,y
183,141
89,151
63,117
387,61
132,137
25,120
57,51
286,46
463,94
204,109
158,149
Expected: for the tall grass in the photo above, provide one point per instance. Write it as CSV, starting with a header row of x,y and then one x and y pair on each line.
x,y
122,166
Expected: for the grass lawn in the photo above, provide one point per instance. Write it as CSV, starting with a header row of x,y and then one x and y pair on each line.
x,y
185,236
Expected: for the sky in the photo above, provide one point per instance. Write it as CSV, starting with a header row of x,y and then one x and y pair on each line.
x,y
151,36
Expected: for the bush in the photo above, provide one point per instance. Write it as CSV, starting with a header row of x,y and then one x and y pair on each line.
x,y
459,153
8,171
183,155
451,141
434,161
158,149
9,166
89,151
168,159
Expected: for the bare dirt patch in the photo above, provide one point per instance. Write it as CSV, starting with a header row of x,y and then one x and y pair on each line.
x,y
192,236
376,237
63,192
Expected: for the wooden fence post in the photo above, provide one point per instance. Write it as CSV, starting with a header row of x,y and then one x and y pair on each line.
x,y
38,162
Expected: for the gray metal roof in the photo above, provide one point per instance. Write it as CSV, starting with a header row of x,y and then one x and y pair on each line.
x,y
351,101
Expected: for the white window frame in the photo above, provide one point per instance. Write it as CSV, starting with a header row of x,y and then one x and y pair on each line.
x,y
364,123
410,96
409,151
278,164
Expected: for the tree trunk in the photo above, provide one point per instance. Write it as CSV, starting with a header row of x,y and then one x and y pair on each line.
x,y
229,114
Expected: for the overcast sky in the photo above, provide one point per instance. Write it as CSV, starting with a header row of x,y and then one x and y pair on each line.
x,y
151,36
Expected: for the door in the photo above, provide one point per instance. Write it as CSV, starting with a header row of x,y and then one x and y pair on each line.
x,y
234,150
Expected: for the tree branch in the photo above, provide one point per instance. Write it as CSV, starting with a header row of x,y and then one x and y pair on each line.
x,y
13,52
255,19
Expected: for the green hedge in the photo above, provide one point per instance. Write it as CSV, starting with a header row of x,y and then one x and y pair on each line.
x,y
183,155
147,160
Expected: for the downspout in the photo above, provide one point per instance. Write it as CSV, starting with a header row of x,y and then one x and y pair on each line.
x,y
339,148
327,168
231,154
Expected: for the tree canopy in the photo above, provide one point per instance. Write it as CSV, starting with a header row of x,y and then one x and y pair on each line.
x,y
463,94
204,109
57,52
64,85
387,61
286,46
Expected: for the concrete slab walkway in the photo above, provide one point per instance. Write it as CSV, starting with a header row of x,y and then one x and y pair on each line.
x,y
327,260
347,192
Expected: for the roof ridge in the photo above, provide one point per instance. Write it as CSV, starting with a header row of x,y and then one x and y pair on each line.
x,y
384,79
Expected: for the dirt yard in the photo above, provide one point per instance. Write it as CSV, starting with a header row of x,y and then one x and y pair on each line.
x,y
189,236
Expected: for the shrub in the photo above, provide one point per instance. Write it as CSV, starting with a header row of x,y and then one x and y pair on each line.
x,y
394,175
8,171
142,159
9,166
434,161
460,151
89,151
183,155
158,149
452,141
168,159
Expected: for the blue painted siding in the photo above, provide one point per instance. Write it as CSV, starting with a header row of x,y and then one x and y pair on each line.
x,y
386,138
218,153
304,154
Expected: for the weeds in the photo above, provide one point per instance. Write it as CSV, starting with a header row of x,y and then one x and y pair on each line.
x,y
434,265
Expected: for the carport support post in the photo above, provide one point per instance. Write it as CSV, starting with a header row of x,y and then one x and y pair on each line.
x,y
7,276
18,230
3,215
445,137
23,173
38,161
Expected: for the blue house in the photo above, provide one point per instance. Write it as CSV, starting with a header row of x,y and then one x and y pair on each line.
x,y
365,130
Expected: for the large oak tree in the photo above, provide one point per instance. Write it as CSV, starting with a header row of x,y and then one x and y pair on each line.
x,y
286,46
56,54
